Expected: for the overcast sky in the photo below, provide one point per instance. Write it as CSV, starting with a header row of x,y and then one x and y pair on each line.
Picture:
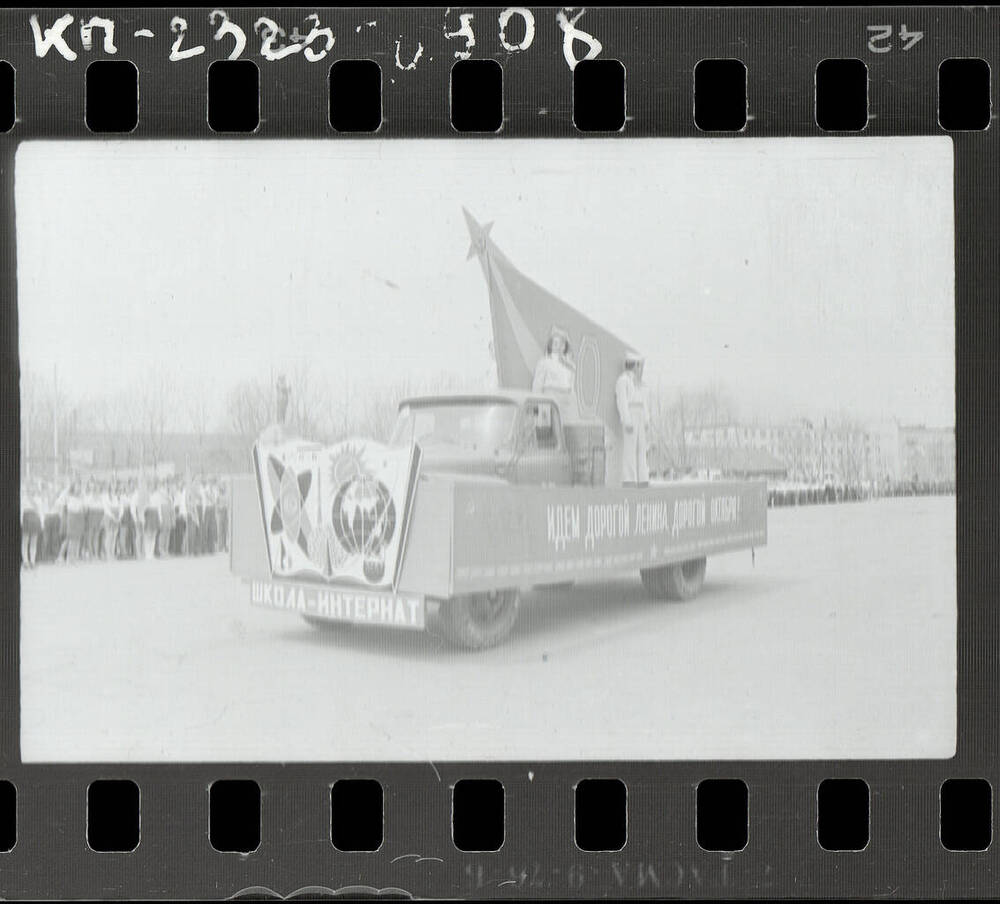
x,y
808,274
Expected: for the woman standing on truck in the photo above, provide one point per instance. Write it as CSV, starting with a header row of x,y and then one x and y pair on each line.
x,y
555,374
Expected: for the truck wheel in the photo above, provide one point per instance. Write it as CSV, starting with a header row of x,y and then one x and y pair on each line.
x,y
479,620
675,582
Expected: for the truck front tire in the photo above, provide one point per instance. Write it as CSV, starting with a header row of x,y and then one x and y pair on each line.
x,y
675,582
476,621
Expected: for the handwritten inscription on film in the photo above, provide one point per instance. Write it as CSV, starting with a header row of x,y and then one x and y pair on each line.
x,y
515,29
569,525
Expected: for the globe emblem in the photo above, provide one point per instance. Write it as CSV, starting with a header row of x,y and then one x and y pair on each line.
x,y
364,520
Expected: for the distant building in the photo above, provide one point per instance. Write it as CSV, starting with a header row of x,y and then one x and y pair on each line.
x,y
927,454
736,462
125,454
809,453
813,452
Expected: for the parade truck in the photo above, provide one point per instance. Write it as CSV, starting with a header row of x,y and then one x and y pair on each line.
x,y
477,498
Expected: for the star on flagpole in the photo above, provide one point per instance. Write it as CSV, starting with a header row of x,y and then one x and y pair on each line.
x,y
478,234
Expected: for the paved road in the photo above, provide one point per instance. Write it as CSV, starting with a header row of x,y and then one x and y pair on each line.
x,y
839,641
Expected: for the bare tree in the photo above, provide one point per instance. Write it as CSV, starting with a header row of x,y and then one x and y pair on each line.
x,y
667,429
377,416
153,405
127,408
680,419
308,399
854,465
328,410
712,406
248,407
29,409
45,419
199,411
343,408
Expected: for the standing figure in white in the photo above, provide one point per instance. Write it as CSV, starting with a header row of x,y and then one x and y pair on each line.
x,y
630,396
555,373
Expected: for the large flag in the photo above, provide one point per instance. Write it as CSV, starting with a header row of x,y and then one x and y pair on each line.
x,y
523,315
336,513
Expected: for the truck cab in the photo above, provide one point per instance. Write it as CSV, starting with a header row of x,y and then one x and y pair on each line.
x,y
514,437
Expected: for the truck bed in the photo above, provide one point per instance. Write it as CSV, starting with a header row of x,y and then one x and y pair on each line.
x,y
469,535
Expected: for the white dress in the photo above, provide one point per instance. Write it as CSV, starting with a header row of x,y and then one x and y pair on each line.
x,y
554,377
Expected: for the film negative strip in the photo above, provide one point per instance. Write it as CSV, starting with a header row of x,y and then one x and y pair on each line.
x,y
499,453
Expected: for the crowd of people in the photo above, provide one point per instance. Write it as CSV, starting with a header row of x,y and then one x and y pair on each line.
x,y
782,494
92,519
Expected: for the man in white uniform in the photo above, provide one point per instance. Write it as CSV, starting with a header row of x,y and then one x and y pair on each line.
x,y
630,396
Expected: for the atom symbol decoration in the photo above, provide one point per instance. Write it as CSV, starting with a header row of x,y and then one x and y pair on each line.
x,y
288,515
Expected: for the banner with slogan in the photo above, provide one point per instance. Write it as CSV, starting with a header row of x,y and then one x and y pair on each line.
x,y
337,513
542,534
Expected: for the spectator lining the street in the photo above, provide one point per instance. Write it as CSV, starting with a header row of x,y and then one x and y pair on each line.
x,y
110,520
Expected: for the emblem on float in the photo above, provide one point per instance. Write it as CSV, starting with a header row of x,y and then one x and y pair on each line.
x,y
337,512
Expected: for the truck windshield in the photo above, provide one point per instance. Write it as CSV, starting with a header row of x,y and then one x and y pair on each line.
x,y
474,425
